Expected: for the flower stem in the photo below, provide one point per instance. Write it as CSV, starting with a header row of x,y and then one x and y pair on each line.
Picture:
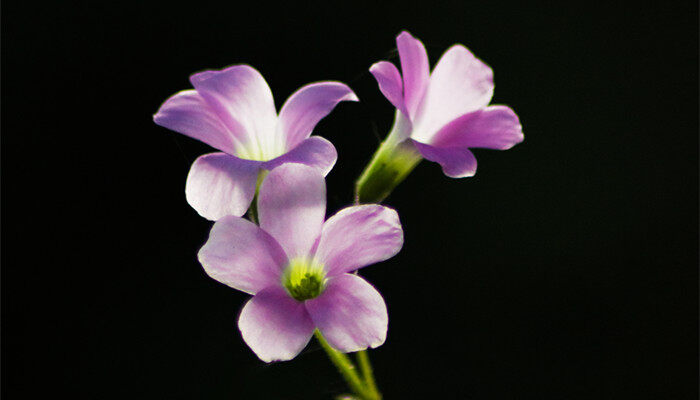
x,y
395,158
347,369
392,162
366,369
253,210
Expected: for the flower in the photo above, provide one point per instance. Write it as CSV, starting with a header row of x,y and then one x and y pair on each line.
x,y
445,113
233,111
298,267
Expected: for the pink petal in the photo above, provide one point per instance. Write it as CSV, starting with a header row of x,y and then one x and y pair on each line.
x,y
292,206
275,326
219,184
315,152
358,236
455,162
350,314
187,113
390,84
241,255
243,101
307,106
495,127
415,68
460,83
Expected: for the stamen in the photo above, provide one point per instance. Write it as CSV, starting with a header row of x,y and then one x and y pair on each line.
x,y
304,280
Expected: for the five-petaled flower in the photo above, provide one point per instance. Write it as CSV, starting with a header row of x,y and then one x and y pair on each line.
x,y
233,111
445,113
299,268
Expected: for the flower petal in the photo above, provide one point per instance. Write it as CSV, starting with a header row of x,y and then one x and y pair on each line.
x,y
187,113
350,314
219,184
495,127
308,105
292,206
455,162
415,68
460,83
315,152
390,84
241,255
275,326
243,101
358,236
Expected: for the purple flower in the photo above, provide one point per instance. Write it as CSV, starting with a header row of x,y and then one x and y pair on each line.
x,y
298,267
446,112
233,111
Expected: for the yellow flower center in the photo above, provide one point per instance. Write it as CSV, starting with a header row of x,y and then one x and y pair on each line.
x,y
303,279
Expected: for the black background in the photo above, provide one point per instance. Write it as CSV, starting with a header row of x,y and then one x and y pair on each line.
x,y
567,268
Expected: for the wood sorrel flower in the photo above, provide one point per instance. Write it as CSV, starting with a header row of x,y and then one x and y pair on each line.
x,y
440,116
298,267
233,111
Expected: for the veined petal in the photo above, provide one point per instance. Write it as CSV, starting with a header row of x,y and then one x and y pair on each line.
x,y
415,68
219,184
315,152
359,236
460,83
307,106
292,207
186,112
390,84
495,127
241,255
275,326
350,314
243,101
455,162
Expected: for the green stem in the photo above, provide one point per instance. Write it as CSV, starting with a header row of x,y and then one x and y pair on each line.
x,y
346,368
253,210
392,162
366,369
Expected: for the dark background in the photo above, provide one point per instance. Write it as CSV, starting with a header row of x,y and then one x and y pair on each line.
x,y
567,268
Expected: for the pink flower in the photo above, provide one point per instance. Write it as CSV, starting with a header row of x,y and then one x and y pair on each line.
x,y
446,112
298,267
233,111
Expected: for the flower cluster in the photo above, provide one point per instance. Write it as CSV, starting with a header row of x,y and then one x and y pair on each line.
x,y
299,266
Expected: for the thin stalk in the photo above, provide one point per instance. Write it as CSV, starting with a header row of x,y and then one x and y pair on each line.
x,y
393,161
346,368
253,210
367,375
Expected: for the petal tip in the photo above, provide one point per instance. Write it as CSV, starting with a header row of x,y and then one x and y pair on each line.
x,y
351,97
374,68
349,94
160,119
519,137
378,343
460,48
404,35
328,168
452,175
